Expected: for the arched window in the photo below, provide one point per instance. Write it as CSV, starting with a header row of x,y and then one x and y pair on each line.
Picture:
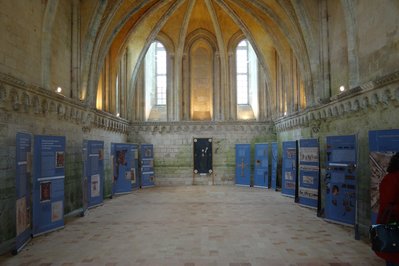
x,y
160,61
242,72
156,82
247,81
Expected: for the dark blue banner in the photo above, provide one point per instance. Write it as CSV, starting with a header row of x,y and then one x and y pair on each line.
x,y
243,166
261,175
23,189
382,145
340,180
93,151
309,172
147,165
124,167
289,169
274,165
48,183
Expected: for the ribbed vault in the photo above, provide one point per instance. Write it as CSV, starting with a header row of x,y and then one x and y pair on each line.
x,y
272,27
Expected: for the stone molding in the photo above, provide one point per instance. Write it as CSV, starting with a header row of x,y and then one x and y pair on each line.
x,y
194,126
18,97
366,97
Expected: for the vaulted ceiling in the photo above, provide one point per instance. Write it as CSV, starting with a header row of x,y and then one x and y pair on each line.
x,y
280,28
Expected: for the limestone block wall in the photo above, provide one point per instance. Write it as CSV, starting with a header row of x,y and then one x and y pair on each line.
x,y
372,106
173,147
21,27
26,108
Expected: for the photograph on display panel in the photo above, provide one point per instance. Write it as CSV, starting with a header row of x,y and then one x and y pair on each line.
x,y
378,164
59,159
95,185
45,191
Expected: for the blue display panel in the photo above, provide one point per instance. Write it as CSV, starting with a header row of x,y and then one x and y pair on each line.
x,y
309,177
340,204
274,165
261,175
48,183
124,167
289,171
147,165
382,145
93,151
23,189
243,167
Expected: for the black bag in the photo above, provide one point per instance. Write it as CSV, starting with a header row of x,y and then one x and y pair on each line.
x,y
385,237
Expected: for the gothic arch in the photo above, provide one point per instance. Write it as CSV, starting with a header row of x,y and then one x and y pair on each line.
x,y
195,37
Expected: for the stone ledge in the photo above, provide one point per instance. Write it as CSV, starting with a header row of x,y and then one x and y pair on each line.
x,y
17,96
368,96
192,126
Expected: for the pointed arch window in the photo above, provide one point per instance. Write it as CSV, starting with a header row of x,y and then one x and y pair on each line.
x,y
156,81
242,72
246,81
160,62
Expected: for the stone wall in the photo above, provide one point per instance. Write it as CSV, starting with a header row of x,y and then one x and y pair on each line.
x,y
173,147
25,108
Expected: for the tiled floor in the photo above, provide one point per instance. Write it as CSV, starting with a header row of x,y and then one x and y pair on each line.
x,y
198,225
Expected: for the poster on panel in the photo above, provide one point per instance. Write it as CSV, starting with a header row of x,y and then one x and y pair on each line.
x,y
124,169
94,172
23,189
243,167
147,165
340,179
309,172
48,183
261,171
382,145
274,165
289,169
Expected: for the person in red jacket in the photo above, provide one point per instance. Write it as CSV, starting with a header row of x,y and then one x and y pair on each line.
x,y
389,194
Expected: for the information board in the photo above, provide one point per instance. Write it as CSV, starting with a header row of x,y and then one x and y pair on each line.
x,y
23,190
274,165
289,169
243,167
93,151
48,183
382,145
340,180
309,172
123,156
261,172
147,165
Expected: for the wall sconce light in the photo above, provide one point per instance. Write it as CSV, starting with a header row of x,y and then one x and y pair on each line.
x,y
285,113
342,88
118,115
58,90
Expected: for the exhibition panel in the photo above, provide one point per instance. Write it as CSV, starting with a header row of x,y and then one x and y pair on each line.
x,y
123,158
309,172
48,183
340,179
289,168
274,165
23,188
243,164
93,166
147,165
261,172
